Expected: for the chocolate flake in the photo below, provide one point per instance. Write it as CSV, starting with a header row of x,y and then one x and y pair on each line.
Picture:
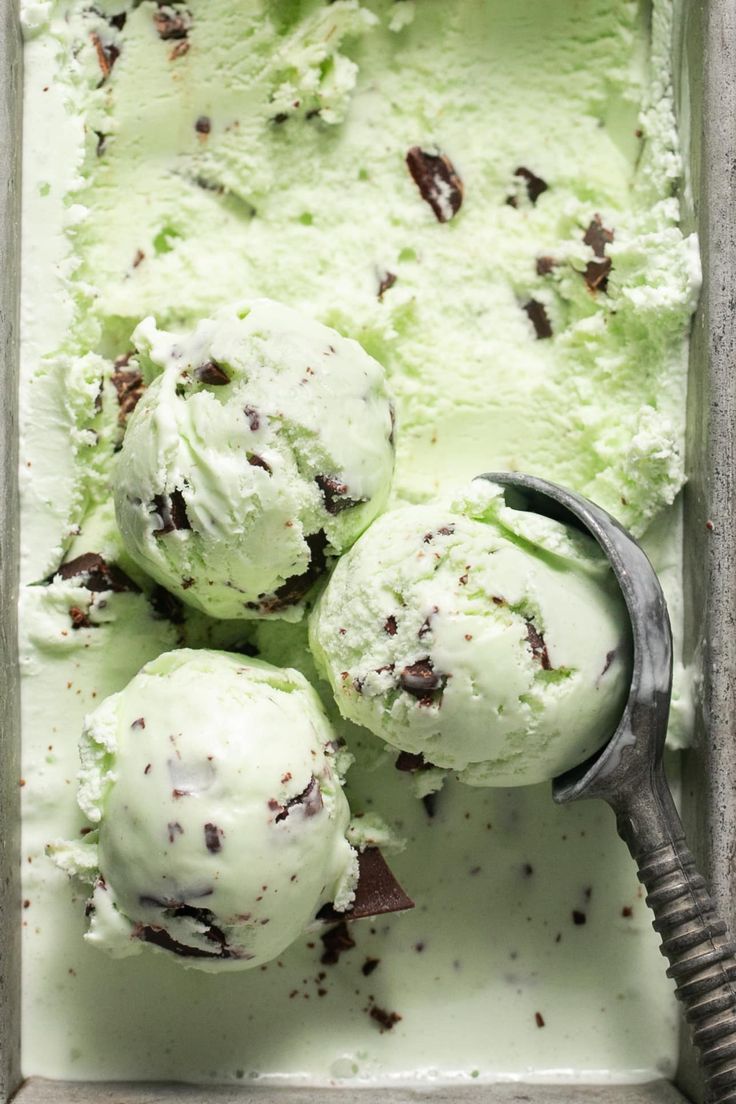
x,y
253,417
538,646
390,625
536,312
385,1020
369,966
422,681
596,274
172,510
259,462
387,281
107,55
212,374
336,941
166,606
310,800
294,589
213,837
535,185
438,183
129,385
335,494
597,236
95,575
172,24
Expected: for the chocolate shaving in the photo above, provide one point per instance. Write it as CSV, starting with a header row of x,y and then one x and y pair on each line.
x,y
536,312
171,24
438,183
96,575
596,274
213,838
336,941
166,606
310,800
597,236
294,589
212,374
377,892
172,510
387,281
335,494
535,185
129,385
259,462
422,681
107,55
538,646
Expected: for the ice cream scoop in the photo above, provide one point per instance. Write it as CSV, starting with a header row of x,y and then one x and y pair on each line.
x,y
214,786
477,639
262,447
628,773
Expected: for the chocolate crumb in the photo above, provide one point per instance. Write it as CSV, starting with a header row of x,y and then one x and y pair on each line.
x,y
578,918
536,312
390,625
610,656
369,966
252,415
527,870
79,618
387,281
212,374
438,183
179,49
535,186
280,118
139,723
147,768
336,941
203,125
597,236
258,462
539,1019
118,21
139,257
538,646
627,912
175,829
213,837
385,1020
107,55
429,801
545,265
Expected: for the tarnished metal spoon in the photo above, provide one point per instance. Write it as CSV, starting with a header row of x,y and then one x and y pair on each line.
x,y
627,772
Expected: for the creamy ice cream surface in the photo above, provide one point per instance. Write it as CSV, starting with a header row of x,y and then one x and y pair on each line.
x,y
486,641
220,821
482,194
263,447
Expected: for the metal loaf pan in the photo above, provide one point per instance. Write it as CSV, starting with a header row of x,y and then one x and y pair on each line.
x,y
705,68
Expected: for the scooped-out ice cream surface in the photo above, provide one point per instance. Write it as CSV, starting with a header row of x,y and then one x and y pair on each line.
x,y
262,447
220,816
476,638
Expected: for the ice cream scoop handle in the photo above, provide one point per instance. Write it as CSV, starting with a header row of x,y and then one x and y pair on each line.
x,y
700,952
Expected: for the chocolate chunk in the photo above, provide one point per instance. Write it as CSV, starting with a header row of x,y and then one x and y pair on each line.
x,y
139,723
203,125
128,384
310,800
252,415
596,274
172,510
212,374
387,281
386,1020
578,918
96,575
335,494
537,314
390,625
538,646
213,837
535,185
294,589
597,236
170,23
429,801
79,618
107,55
545,265
369,966
118,21
438,183
175,829
377,891
412,761
422,681
259,462
166,606
336,941
151,934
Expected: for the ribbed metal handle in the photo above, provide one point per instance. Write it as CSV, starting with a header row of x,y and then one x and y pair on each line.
x,y
701,956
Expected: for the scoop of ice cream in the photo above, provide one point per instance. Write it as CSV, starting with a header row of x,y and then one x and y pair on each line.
x,y
221,820
263,447
483,640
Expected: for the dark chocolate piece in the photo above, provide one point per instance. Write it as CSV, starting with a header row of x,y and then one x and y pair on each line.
x,y
390,625
336,941
96,575
310,800
79,618
212,374
597,236
429,801
252,415
172,24
203,125
539,1019
129,385
166,606
535,185
369,966
377,891
538,646
411,761
173,512
294,589
259,462
213,837
545,265
536,312
118,21
422,681
596,274
385,1020
578,918
107,55
438,183
335,494
387,281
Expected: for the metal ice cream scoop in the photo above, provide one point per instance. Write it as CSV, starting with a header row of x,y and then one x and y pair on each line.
x,y
627,772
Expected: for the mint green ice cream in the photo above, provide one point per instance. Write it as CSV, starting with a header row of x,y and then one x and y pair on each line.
x,y
490,642
263,447
220,820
